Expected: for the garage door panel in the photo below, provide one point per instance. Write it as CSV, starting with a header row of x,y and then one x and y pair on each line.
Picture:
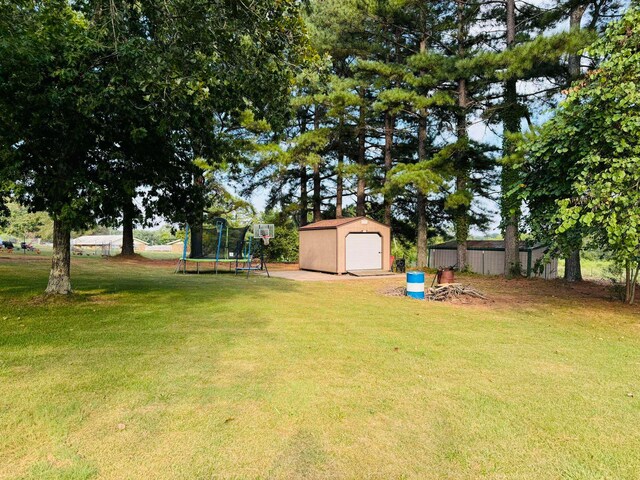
x,y
363,251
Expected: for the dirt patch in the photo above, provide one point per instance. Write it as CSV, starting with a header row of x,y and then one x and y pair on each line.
x,y
283,266
74,298
525,292
394,292
469,300
138,259
33,258
46,300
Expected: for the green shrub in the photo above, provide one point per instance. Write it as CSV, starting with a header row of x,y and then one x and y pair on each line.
x,y
284,247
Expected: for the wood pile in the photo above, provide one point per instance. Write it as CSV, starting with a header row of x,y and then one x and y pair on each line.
x,y
440,293
448,291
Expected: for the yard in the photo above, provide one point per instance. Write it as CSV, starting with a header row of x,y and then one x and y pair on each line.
x,y
147,374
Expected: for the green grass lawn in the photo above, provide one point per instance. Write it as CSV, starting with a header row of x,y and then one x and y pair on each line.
x,y
144,374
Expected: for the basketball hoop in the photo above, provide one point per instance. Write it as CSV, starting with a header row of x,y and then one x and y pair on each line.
x,y
264,231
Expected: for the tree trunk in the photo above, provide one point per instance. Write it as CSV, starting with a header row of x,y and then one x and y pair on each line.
x,y
421,199
572,268
197,225
461,253
60,275
317,197
304,196
461,214
389,125
575,23
632,287
462,223
627,281
511,120
361,160
128,248
512,266
339,181
317,182
339,186
421,210
304,178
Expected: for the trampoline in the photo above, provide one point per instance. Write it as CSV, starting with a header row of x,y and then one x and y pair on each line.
x,y
224,245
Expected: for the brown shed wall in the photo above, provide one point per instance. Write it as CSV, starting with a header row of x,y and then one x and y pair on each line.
x,y
318,250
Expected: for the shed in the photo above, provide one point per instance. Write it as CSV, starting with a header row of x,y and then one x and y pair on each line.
x,y
344,245
487,257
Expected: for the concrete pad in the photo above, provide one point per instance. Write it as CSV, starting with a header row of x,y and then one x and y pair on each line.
x,y
307,276
371,273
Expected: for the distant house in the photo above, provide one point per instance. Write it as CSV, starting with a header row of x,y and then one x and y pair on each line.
x,y
159,248
104,244
172,247
487,258
177,246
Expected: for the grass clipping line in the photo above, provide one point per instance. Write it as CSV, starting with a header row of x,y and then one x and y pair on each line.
x,y
441,293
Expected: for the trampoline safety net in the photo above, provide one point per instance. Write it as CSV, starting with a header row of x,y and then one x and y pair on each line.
x,y
231,241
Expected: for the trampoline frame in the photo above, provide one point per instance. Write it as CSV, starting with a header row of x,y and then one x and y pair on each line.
x,y
243,249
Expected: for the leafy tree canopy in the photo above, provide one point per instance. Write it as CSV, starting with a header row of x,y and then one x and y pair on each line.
x,y
582,168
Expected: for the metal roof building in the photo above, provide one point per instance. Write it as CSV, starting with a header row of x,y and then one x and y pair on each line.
x,y
106,242
486,257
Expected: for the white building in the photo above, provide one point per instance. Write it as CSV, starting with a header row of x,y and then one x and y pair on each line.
x,y
104,244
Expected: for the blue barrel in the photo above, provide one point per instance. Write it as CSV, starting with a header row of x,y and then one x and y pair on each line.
x,y
415,285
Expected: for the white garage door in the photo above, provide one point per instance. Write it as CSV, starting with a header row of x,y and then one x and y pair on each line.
x,y
364,251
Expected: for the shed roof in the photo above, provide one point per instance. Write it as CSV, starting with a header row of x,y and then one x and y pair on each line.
x,y
484,245
335,223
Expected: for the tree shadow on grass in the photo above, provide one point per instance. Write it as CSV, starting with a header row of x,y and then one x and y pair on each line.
x,y
91,285
130,301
